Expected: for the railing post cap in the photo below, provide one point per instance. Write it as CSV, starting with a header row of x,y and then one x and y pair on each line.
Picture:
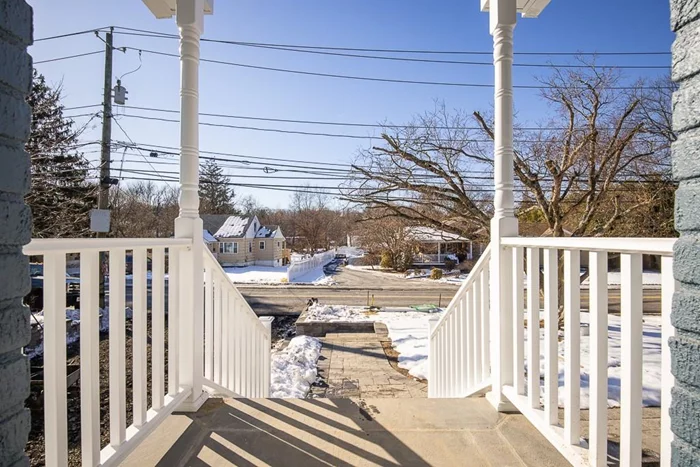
x,y
267,321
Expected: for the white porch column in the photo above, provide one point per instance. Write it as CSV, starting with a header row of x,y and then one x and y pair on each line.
x,y
438,252
502,14
190,20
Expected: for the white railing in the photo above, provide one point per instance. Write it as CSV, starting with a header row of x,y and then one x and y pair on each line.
x,y
236,343
523,388
122,439
299,268
459,341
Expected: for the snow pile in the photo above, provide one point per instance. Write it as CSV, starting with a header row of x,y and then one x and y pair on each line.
x,y
256,274
650,279
293,369
408,331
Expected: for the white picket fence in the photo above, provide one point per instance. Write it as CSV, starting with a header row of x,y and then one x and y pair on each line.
x,y
455,344
299,268
236,342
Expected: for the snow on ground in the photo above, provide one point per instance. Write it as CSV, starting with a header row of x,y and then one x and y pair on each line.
x,y
294,368
72,327
651,362
415,274
408,331
275,275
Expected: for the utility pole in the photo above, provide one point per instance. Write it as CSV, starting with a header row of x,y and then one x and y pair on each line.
x,y
105,156
103,198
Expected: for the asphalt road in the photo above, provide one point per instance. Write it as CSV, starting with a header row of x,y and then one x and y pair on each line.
x,y
358,287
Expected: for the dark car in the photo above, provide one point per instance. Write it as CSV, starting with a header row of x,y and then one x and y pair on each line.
x,y
35,298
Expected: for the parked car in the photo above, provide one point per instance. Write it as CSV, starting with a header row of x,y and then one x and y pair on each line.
x,y
35,298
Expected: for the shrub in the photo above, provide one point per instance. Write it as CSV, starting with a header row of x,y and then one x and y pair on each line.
x,y
435,274
450,264
386,262
284,280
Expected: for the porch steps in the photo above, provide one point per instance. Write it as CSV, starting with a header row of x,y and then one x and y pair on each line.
x,y
346,432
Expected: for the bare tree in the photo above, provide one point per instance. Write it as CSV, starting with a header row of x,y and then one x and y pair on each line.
x,y
388,238
605,139
144,209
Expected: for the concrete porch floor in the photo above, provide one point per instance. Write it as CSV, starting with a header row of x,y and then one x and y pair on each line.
x,y
346,432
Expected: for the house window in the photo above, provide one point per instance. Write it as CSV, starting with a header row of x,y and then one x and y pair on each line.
x,y
284,245
262,245
250,247
279,245
221,247
229,247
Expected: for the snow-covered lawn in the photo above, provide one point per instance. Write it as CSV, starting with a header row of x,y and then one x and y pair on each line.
x,y
293,369
408,331
423,275
274,275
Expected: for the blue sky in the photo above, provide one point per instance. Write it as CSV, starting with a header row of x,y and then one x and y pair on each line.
x,y
564,26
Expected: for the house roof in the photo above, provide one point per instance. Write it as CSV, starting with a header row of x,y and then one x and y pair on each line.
x,y
208,237
213,222
234,227
428,234
267,231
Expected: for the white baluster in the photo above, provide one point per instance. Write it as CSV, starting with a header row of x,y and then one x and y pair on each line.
x,y
139,336
432,357
461,348
55,393
238,346
267,322
471,312
90,357
157,327
478,332
225,315
209,321
518,323
232,304
572,345
631,351
117,342
217,330
485,322
551,326
533,327
668,287
173,321
598,312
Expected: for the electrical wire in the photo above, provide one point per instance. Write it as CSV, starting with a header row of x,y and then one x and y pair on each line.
x,y
70,34
132,142
373,79
351,49
68,57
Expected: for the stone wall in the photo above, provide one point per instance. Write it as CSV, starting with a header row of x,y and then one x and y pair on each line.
x,y
685,347
15,227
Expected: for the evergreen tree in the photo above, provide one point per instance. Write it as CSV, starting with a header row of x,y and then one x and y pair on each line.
x,y
215,196
61,196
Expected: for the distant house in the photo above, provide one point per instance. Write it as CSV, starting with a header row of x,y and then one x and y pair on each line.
x,y
438,245
243,241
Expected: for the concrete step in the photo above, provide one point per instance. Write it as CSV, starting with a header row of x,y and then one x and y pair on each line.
x,y
346,432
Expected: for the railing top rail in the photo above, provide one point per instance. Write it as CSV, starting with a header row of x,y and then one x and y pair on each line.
x,y
39,246
648,246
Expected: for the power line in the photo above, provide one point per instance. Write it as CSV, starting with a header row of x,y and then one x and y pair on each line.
x,y
70,34
348,124
354,49
67,57
132,142
367,78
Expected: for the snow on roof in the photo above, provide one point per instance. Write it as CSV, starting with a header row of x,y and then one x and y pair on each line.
x,y
208,237
233,227
266,231
428,234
